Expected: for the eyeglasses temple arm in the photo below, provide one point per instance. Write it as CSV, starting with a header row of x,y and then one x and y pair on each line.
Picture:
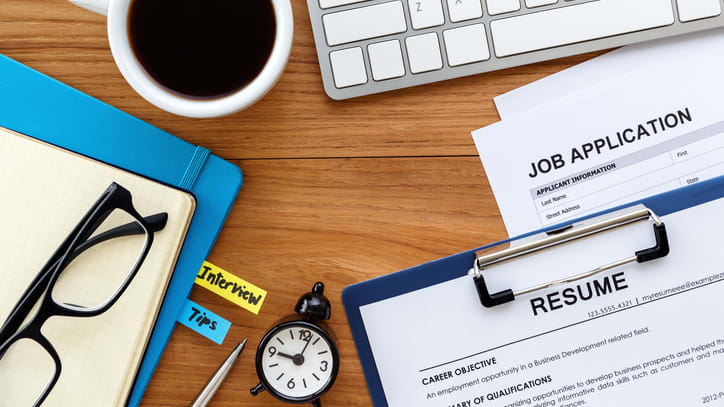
x,y
155,222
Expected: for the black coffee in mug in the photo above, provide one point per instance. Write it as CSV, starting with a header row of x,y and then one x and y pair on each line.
x,y
202,49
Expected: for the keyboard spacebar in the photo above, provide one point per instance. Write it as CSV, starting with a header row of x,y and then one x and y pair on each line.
x,y
578,23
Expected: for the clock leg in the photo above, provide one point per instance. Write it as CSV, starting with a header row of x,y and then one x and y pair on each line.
x,y
317,403
258,389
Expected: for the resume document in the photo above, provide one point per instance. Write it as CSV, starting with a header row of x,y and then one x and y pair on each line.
x,y
639,335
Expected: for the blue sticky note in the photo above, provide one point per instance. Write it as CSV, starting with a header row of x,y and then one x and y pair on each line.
x,y
204,322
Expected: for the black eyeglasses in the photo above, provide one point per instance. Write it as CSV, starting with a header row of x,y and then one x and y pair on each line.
x,y
73,284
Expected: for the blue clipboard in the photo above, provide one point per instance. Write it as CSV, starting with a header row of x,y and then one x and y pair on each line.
x,y
41,107
449,268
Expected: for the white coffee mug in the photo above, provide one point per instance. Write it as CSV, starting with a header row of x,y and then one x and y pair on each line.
x,y
117,12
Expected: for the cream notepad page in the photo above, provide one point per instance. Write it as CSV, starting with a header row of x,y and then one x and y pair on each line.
x,y
45,192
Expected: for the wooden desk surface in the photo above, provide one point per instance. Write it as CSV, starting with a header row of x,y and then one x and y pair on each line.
x,y
334,191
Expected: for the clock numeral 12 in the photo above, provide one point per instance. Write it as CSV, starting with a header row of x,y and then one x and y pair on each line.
x,y
305,335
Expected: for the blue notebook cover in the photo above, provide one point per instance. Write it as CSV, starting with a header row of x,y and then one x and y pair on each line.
x,y
41,107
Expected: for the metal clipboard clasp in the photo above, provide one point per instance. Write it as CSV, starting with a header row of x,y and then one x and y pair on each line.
x,y
497,255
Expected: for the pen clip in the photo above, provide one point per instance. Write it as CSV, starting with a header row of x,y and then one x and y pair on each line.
x,y
566,234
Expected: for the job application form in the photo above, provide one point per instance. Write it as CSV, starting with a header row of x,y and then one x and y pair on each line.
x,y
640,335
648,132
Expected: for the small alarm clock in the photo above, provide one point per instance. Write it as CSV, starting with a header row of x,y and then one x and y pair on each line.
x,y
297,361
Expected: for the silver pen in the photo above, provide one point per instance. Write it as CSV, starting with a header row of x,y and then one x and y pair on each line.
x,y
215,382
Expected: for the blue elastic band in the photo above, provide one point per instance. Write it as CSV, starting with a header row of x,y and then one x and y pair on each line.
x,y
194,168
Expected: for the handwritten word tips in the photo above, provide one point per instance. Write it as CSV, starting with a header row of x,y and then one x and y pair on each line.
x,y
204,322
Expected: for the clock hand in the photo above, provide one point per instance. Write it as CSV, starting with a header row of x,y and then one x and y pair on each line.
x,y
297,359
284,355
305,346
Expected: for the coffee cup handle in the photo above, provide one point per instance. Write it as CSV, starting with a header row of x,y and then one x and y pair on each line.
x,y
96,6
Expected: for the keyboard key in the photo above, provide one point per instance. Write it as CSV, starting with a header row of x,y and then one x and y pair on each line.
x,y
578,23
386,60
690,10
424,53
462,10
364,23
348,67
466,45
425,13
539,3
335,3
496,7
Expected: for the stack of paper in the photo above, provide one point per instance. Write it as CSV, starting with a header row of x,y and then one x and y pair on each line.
x,y
635,122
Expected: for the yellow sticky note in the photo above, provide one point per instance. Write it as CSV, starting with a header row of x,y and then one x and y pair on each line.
x,y
231,287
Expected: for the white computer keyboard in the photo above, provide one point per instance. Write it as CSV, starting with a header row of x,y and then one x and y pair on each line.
x,y
372,46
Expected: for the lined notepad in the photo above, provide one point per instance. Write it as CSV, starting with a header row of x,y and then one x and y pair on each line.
x,y
45,191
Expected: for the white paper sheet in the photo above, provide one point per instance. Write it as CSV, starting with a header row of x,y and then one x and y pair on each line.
x,y
606,69
651,343
608,146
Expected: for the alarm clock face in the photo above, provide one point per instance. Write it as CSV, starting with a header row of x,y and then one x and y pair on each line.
x,y
297,361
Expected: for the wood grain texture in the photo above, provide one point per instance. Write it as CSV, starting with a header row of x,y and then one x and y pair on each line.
x,y
296,119
336,220
334,191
